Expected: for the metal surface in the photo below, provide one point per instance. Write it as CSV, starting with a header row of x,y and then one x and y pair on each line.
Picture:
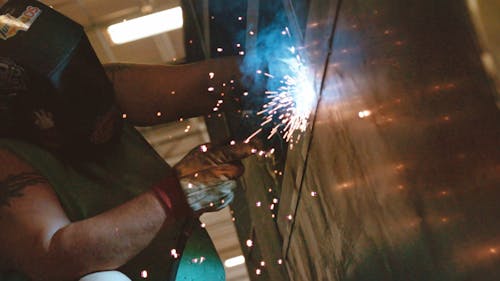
x,y
404,153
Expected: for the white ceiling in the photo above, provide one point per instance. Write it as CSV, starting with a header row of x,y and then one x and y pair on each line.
x,y
96,15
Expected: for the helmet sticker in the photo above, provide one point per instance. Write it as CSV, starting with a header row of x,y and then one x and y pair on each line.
x,y
9,25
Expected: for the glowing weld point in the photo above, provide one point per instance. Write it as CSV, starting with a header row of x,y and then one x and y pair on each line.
x,y
204,148
292,101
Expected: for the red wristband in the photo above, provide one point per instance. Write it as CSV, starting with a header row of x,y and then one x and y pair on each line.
x,y
170,193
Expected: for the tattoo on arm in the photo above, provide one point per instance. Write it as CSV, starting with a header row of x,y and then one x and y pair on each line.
x,y
13,185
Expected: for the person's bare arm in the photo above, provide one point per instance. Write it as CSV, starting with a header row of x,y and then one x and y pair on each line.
x,y
152,94
38,239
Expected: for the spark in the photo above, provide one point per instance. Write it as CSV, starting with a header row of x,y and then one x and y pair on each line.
x,y
253,135
249,243
290,99
204,148
364,114
174,253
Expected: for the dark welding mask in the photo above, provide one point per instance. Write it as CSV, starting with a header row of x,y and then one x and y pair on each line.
x,y
57,72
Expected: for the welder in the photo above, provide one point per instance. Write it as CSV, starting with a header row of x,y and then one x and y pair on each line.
x,y
82,194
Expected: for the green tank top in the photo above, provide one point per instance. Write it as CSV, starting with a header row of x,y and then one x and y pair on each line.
x,y
86,189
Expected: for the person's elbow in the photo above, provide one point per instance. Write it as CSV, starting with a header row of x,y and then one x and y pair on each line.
x,y
66,259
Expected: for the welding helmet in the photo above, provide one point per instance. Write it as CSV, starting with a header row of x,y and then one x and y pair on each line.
x,y
53,67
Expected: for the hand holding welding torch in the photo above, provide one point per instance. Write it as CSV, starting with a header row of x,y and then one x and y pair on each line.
x,y
208,174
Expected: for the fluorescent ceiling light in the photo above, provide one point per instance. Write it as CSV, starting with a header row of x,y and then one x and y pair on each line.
x,y
232,262
146,26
